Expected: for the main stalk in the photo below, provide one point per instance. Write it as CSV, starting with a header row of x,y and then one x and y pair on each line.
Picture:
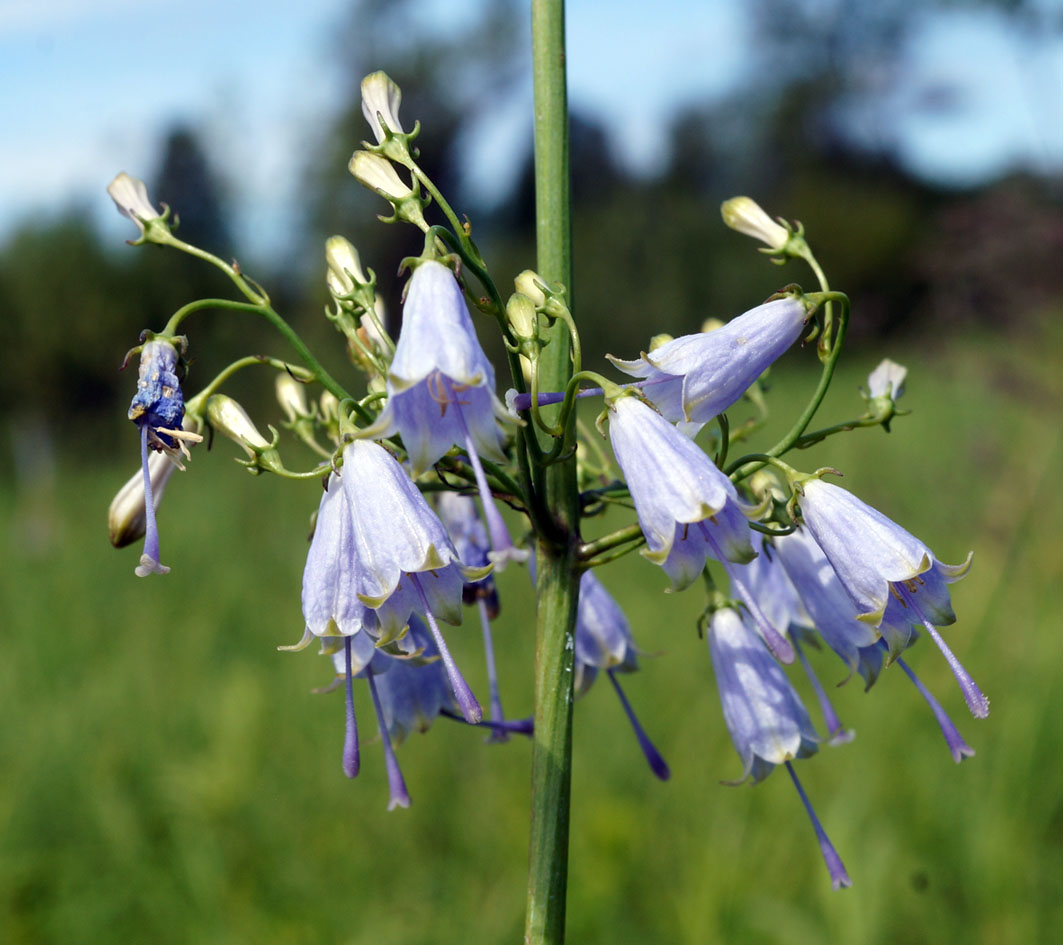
x,y
558,578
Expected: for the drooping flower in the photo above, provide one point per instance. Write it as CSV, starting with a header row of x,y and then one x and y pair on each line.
x,y
604,641
441,389
695,377
687,508
829,607
158,410
768,585
406,560
767,722
891,576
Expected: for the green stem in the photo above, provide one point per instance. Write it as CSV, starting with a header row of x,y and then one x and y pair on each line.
x,y
558,575
270,315
606,543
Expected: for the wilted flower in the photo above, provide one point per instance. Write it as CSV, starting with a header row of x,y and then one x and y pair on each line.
x,y
604,641
768,724
158,410
695,377
891,576
746,216
441,389
687,508
130,195
380,100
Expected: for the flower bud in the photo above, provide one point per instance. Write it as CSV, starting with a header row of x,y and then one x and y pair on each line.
x,y
520,314
657,340
711,324
377,173
380,101
130,195
126,521
291,395
344,267
330,406
528,283
226,416
746,216
887,380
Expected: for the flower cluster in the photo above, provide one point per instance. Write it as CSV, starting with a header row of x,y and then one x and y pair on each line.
x,y
427,475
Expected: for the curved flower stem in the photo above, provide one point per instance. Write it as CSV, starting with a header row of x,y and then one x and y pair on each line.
x,y
194,404
270,315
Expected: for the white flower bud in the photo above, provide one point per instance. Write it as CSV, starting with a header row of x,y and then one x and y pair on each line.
x,y
343,264
520,313
130,195
528,283
746,216
380,100
125,518
377,173
226,416
291,395
887,379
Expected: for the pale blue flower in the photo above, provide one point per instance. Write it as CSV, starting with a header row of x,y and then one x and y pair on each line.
x,y
891,576
767,722
441,389
604,641
405,558
688,510
695,377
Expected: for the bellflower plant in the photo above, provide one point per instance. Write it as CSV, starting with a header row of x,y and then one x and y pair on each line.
x,y
413,425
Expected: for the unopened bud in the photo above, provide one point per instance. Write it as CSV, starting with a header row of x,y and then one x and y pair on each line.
x,y
130,195
291,395
330,406
746,216
711,324
887,380
126,521
528,283
377,173
380,100
657,340
344,266
226,416
520,313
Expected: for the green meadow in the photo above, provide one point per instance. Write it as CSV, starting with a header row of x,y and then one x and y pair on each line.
x,y
168,776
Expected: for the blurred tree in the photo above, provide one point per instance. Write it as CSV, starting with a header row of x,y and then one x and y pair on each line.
x,y
186,182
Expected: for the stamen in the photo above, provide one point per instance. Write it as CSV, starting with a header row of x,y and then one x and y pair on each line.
x,y
470,708
149,559
957,746
400,797
497,735
972,695
657,764
838,876
897,594
351,759
501,544
839,735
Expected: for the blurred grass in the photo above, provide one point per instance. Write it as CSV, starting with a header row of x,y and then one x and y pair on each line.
x,y
168,776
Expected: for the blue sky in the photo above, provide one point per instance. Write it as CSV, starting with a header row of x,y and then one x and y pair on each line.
x,y
87,85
